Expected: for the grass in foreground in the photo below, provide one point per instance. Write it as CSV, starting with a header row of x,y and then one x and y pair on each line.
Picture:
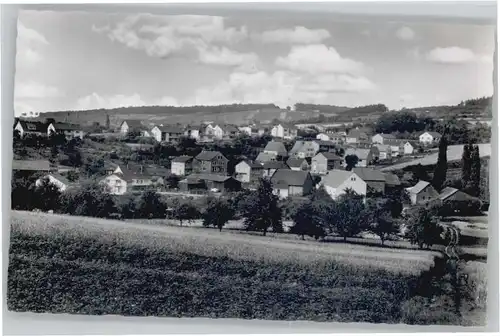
x,y
64,264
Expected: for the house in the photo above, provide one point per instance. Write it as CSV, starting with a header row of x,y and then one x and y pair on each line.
x,y
321,163
70,131
212,131
246,130
132,178
193,131
210,162
128,126
429,138
264,157
30,127
182,165
385,151
66,169
422,193
382,138
326,146
209,182
337,137
110,168
269,168
31,165
288,182
375,180
456,201
391,181
248,172
284,131
336,182
356,135
365,156
276,148
297,164
230,131
57,180
408,147
323,136
304,149
167,133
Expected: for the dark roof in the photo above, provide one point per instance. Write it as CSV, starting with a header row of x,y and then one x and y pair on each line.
x,y
229,128
356,133
369,174
182,158
208,155
276,146
275,165
326,143
66,127
330,156
31,165
170,129
392,179
265,157
286,177
33,126
295,162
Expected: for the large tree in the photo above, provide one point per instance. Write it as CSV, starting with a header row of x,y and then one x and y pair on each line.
x,y
348,215
475,176
218,213
351,161
262,211
309,219
150,205
442,164
381,219
466,165
423,228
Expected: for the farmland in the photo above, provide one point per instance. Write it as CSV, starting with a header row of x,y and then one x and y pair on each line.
x,y
93,266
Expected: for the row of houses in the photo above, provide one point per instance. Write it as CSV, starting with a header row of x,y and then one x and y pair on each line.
x,y
70,131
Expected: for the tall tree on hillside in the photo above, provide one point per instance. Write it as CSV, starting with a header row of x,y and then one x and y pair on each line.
x,y
309,220
442,164
218,213
349,215
466,165
262,211
475,176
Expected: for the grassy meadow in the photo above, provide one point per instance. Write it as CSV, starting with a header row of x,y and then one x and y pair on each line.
x,y
65,264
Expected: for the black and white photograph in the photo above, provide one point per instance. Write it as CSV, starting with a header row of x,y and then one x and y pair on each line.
x,y
252,165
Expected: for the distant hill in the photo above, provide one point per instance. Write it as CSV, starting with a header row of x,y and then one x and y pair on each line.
x,y
472,108
231,114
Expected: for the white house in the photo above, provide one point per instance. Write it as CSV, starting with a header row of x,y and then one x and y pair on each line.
x,y
182,165
408,148
285,132
58,180
70,131
336,182
214,131
422,192
323,136
116,184
30,127
429,138
193,132
246,130
382,138
385,151
167,133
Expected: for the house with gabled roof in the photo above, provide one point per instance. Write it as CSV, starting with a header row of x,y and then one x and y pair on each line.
x,y
429,138
210,162
276,148
381,138
284,131
304,149
271,167
297,164
422,193
264,157
365,156
385,151
322,162
288,182
336,183
455,201
392,181
70,131
229,131
168,133
182,165
61,182
247,171
132,178
25,127
356,135
375,179
130,125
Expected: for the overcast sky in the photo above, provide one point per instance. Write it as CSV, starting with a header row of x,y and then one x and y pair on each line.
x,y
88,60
